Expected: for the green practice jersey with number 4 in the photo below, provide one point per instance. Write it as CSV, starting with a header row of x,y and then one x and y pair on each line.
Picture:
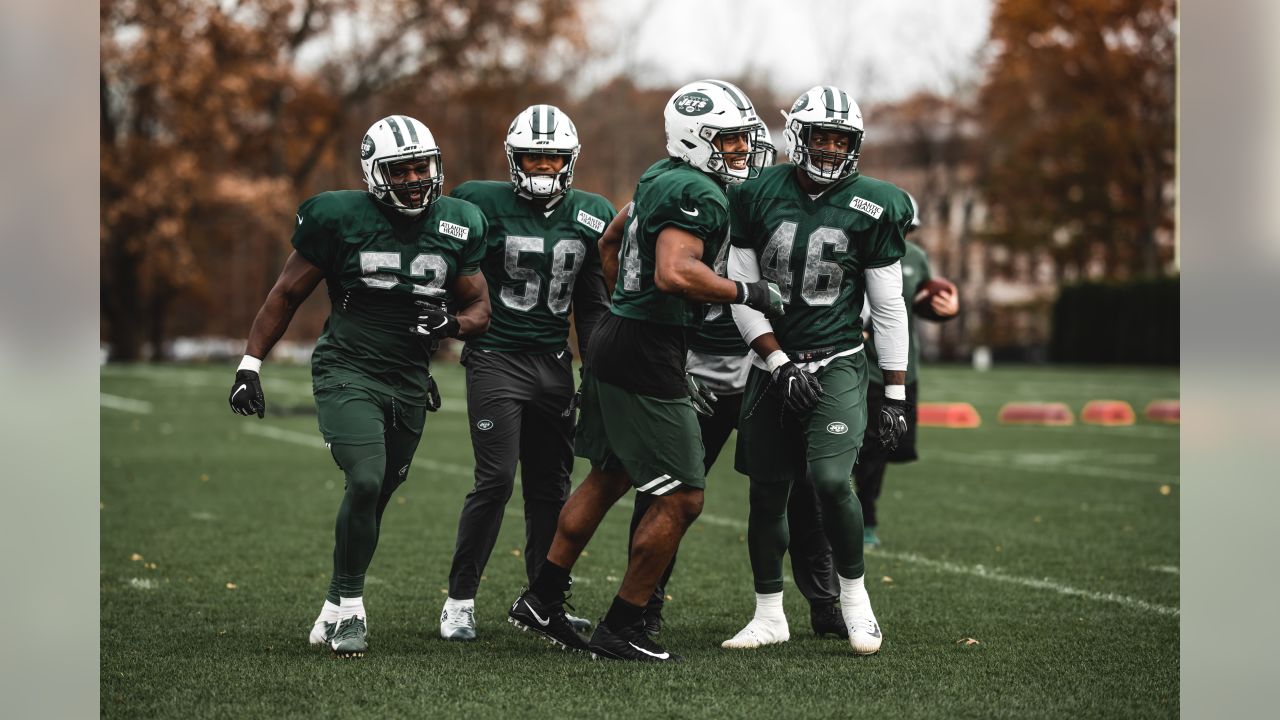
x,y
670,193
378,264
817,250
532,261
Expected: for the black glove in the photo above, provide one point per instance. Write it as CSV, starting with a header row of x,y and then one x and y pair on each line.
x,y
434,321
761,295
702,397
574,403
433,395
798,389
246,394
893,422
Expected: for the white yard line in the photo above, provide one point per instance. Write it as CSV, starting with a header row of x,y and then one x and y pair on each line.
x,y
1045,584
124,404
314,441
1171,569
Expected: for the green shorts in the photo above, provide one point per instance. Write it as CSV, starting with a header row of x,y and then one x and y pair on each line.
x,y
773,446
349,414
656,441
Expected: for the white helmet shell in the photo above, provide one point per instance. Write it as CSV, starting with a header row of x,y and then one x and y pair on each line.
x,y
701,111
395,139
829,108
546,130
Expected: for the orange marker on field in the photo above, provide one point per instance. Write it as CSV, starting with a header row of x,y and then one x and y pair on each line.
x,y
1035,413
949,415
1165,411
1107,412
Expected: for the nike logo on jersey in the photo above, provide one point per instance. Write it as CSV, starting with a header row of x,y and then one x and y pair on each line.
x,y
660,656
536,616
691,213
299,218
237,392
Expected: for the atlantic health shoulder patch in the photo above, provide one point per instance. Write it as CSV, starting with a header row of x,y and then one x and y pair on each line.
x,y
866,206
591,221
459,231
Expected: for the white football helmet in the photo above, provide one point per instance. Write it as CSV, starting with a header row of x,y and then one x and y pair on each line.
x,y
764,142
829,108
700,112
542,129
395,139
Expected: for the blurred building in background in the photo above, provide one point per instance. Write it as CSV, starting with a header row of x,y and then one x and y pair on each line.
x,y
1053,167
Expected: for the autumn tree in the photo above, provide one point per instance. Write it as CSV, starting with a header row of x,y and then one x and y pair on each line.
x,y
1079,121
217,118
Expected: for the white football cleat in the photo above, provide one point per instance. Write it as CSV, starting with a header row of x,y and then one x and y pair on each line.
x,y
864,631
458,623
322,631
758,633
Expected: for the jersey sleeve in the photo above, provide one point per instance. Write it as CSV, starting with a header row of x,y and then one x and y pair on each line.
x,y
473,251
696,208
887,239
313,235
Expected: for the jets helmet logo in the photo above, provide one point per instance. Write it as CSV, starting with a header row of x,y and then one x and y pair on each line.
x,y
366,148
693,103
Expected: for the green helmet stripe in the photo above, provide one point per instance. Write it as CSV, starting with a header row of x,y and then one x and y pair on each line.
x,y
744,106
395,130
551,119
844,105
413,131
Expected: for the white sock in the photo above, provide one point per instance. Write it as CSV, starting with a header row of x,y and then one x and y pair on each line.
x,y
853,593
769,606
351,607
452,604
330,612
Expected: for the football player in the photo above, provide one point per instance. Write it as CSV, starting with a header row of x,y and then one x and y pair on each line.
x,y
390,257
541,263
718,359
868,473
638,426
825,234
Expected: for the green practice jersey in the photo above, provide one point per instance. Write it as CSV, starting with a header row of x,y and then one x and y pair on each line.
x,y
915,272
817,250
377,264
719,334
670,193
532,262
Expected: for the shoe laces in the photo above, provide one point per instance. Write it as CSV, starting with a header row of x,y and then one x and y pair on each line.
x,y
461,616
349,628
865,624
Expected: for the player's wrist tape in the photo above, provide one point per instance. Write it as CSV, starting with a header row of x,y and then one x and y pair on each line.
x,y
777,359
742,294
250,363
895,392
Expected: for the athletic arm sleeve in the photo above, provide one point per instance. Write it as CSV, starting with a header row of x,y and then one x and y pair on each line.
x,y
744,267
888,315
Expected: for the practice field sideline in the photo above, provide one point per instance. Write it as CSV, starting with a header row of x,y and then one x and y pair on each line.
x,y
1027,571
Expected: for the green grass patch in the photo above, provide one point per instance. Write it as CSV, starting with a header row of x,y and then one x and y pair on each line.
x,y
1055,548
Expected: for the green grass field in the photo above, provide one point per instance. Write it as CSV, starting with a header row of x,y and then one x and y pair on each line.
x,y
1056,549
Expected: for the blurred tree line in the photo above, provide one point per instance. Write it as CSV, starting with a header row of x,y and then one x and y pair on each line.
x,y
219,116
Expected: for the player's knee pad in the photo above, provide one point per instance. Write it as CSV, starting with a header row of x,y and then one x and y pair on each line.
x,y
831,480
365,466
769,499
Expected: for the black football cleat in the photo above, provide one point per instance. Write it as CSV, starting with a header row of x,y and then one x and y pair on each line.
x,y
827,620
630,643
546,621
351,638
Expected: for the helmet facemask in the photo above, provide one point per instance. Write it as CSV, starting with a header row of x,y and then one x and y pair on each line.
x,y
826,166
734,167
393,188
541,185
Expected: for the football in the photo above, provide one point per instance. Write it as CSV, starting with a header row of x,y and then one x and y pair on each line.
x,y
922,304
